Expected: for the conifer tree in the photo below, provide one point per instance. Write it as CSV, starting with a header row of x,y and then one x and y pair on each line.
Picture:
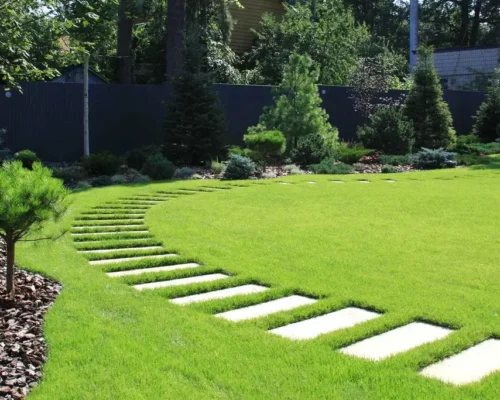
x,y
195,123
487,125
425,106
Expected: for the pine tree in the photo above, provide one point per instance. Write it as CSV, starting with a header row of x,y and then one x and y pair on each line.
x,y
297,111
425,106
487,125
195,123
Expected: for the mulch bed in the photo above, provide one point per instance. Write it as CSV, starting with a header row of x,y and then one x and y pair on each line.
x,y
22,347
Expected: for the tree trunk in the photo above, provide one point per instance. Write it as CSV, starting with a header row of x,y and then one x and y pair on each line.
x,y
175,36
475,23
463,37
124,44
10,266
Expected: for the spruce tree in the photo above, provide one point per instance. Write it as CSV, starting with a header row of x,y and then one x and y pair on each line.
x,y
425,106
297,111
487,125
195,124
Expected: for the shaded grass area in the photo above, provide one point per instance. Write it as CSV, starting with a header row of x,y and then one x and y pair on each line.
x,y
424,248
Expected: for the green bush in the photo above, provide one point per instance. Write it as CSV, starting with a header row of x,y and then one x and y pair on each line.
x,y
463,144
158,168
184,173
69,175
313,148
396,160
137,157
238,151
239,167
389,169
119,179
389,131
103,163
487,125
434,159
331,167
293,169
81,186
472,159
4,151
102,181
351,155
266,145
217,167
27,158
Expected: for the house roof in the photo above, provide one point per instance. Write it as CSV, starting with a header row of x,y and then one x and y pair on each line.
x,y
72,68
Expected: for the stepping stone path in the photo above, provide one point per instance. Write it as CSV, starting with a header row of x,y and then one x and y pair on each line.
x,y
469,366
396,341
314,327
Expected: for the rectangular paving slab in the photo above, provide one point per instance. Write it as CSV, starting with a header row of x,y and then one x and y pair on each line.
x,y
182,281
127,259
263,309
106,233
220,294
469,366
314,327
396,341
131,272
99,251
78,227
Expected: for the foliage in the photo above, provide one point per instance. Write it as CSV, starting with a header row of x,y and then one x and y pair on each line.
x,y
217,167
69,175
195,123
27,158
4,151
326,31
313,148
158,168
119,179
101,181
425,106
487,125
184,173
471,144
331,167
396,160
239,167
266,145
389,169
297,110
103,163
389,131
27,198
351,154
81,186
472,159
243,152
137,157
293,169
434,159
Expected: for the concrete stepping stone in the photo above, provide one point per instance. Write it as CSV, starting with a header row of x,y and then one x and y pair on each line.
x,y
114,222
338,182
105,226
263,309
312,183
132,272
469,366
220,294
127,259
106,233
364,181
396,341
98,251
182,281
284,183
390,181
314,327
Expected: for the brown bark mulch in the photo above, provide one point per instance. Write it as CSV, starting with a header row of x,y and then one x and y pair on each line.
x,y
23,350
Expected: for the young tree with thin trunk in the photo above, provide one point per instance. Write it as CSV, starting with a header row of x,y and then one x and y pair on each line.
x,y
27,199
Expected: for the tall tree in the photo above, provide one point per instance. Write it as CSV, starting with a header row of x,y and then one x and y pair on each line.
x,y
124,42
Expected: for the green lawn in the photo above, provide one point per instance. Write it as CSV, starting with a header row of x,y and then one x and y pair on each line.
x,y
424,248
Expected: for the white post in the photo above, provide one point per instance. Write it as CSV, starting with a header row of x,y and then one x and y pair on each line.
x,y
413,34
86,137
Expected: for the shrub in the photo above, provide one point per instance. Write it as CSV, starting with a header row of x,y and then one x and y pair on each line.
x,y
472,159
434,159
331,167
217,167
425,107
158,168
102,181
313,148
389,131
27,199
69,175
389,169
137,157
184,173
486,148
396,160
239,167
103,163
487,125
4,151
266,145
293,169
351,155
464,142
195,124
27,158
81,186
134,176
119,179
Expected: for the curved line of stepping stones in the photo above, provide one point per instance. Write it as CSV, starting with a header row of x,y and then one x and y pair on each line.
x,y
122,222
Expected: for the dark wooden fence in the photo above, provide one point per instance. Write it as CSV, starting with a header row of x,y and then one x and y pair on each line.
x,y
47,117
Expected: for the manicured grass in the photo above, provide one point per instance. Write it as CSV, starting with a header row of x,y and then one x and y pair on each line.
x,y
424,248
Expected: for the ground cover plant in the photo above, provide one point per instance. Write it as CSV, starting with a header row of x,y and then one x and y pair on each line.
x,y
423,248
